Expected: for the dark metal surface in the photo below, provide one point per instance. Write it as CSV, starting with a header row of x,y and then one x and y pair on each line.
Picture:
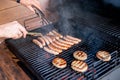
x,y
39,61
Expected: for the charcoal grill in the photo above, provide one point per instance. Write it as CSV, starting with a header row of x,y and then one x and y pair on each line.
x,y
39,61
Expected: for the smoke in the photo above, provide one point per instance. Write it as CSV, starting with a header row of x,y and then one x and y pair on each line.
x,y
67,10
115,3
72,21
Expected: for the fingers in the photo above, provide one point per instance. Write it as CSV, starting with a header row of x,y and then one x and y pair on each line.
x,y
36,4
18,35
23,31
13,30
30,7
30,3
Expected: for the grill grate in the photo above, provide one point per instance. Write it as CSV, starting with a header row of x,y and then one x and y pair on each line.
x,y
39,61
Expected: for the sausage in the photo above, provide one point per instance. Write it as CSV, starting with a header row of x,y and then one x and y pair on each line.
x,y
50,51
52,37
66,42
42,41
73,38
49,39
69,40
57,34
52,34
37,43
46,40
59,46
52,47
62,44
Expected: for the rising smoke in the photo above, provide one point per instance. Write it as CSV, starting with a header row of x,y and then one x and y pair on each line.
x,y
71,22
115,3
67,10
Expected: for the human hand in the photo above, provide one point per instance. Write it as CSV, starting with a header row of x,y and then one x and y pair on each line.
x,y
12,30
30,3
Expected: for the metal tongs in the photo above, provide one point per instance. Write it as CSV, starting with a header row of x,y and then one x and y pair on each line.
x,y
34,34
44,21
41,15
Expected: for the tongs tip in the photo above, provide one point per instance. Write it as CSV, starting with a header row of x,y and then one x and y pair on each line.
x,y
34,34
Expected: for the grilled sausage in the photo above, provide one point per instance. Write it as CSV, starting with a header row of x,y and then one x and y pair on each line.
x,y
50,51
37,43
42,41
59,62
53,38
57,34
62,44
46,40
59,46
65,42
79,66
52,34
49,39
69,40
52,47
73,38
80,55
